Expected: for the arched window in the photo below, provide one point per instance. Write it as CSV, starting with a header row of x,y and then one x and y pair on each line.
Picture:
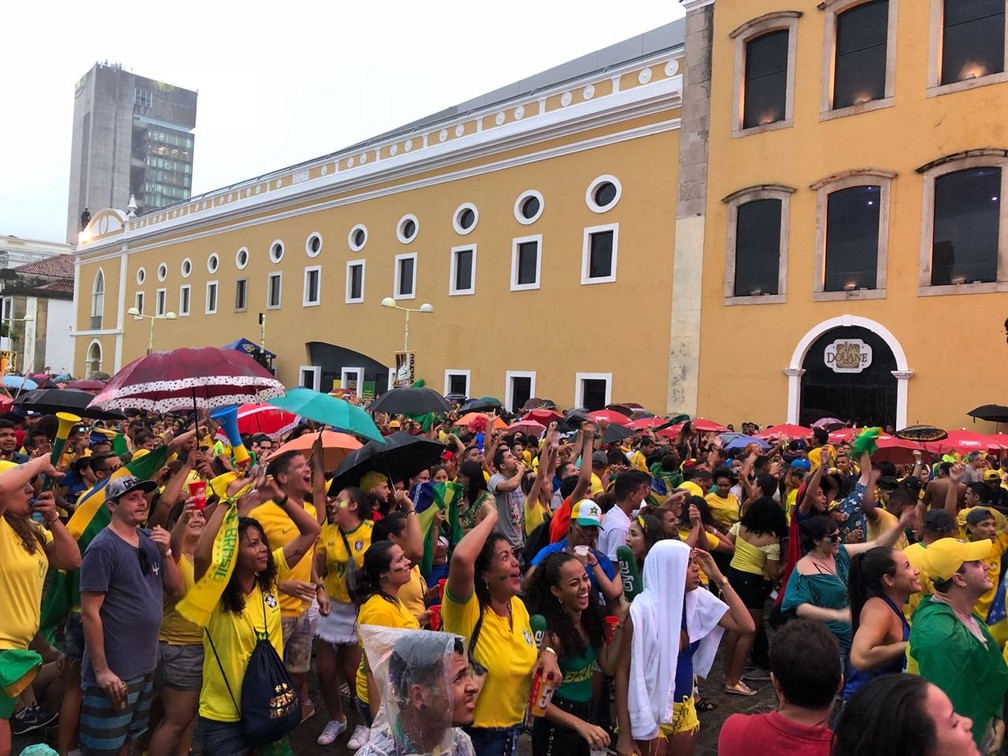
x,y
97,301
757,250
93,361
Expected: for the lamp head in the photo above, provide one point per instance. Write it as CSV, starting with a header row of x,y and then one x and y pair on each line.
x,y
388,302
426,307
170,316
133,311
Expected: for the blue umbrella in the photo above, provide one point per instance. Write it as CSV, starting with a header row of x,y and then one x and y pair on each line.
x,y
323,408
736,441
19,382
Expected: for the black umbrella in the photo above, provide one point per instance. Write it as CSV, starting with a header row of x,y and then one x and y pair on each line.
x,y
401,457
485,404
614,433
48,401
410,401
537,403
995,413
921,433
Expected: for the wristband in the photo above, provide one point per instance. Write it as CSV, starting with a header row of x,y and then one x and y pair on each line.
x,y
319,586
283,501
547,648
168,553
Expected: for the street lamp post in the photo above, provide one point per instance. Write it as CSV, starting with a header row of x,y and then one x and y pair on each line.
x,y
425,307
150,339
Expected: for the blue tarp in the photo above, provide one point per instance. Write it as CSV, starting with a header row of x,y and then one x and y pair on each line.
x,y
249,347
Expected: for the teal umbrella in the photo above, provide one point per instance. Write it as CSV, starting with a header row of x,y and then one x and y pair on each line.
x,y
323,408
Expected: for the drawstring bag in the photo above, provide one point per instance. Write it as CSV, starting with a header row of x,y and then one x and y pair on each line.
x,y
271,705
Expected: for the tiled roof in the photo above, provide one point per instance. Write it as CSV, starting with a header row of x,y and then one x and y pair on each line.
x,y
60,286
57,266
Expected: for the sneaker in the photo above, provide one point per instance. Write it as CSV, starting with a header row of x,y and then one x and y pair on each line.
x,y
332,731
31,718
359,739
756,674
307,711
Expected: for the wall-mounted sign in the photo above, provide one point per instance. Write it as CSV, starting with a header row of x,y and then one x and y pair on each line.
x,y
404,369
847,356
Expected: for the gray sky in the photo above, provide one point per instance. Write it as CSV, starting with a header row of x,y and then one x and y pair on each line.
x,y
304,81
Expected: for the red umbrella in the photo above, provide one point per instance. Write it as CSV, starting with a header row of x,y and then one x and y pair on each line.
x,y
672,431
998,441
899,451
791,431
702,425
644,423
963,442
528,427
843,436
611,416
86,384
206,378
543,415
265,418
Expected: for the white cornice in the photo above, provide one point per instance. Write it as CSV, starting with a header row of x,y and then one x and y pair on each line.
x,y
692,5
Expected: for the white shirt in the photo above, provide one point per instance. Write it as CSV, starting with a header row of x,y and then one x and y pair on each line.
x,y
613,534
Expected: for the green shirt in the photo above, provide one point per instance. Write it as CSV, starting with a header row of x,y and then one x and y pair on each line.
x,y
944,652
577,675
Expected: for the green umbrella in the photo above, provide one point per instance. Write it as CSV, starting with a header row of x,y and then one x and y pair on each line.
x,y
323,408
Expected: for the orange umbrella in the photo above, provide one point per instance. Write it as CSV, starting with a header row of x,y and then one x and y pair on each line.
x,y
335,447
467,418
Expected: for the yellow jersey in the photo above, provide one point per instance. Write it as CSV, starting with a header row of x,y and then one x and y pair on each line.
x,y
281,530
886,521
726,510
915,555
412,594
378,610
337,560
176,630
21,578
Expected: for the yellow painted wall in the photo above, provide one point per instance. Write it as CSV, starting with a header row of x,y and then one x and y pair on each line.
x,y
954,343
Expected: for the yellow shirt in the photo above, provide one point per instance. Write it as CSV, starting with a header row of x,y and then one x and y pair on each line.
x,y
281,530
412,594
378,610
725,511
750,558
21,578
915,555
712,543
508,652
595,486
638,461
234,636
886,521
176,630
336,558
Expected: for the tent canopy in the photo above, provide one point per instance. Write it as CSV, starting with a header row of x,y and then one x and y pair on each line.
x,y
248,347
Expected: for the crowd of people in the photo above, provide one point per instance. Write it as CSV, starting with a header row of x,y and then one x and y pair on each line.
x,y
157,596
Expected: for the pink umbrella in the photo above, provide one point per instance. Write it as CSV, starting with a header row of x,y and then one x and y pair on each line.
x,y
644,423
843,436
87,384
265,418
962,441
791,431
899,451
611,416
543,415
528,427
703,425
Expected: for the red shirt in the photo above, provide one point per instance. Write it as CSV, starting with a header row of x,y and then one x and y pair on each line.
x,y
560,523
771,735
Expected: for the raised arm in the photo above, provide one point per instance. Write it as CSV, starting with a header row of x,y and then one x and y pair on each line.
x,y
887,539
584,472
462,568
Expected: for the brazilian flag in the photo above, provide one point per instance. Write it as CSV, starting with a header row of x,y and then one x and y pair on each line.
x,y
428,499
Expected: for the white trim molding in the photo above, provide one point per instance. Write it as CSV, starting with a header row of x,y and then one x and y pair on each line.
x,y
278,276
509,376
785,20
590,232
832,10
449,372
795,370
515,244
579,379
306,300
316,376
457,218
348,294
397,272
453,290
522,198
742,197
594,206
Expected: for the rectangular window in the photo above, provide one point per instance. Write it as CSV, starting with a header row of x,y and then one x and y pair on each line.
x,y
526,262
758,248
766,79
457,382
241,295
274,288
161,303
185,295
352,380
463,271
138,303
519,387
312,284
852,238
310,376
592,390
862,36
973,39
598,254
355,281
967,211
405,276
211,298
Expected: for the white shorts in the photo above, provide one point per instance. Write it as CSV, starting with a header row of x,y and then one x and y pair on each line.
x,y
340,627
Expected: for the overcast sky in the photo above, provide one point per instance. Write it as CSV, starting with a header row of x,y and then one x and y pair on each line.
x,y
277,84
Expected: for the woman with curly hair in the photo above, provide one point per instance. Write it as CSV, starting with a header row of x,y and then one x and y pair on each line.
x,y
249,608
560,592
477,501
644,532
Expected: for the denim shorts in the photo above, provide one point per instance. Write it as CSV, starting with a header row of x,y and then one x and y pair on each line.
x,y
179,667
73,637
221,738
495,741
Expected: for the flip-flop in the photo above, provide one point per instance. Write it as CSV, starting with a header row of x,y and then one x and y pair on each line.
x,y
703,704
739,690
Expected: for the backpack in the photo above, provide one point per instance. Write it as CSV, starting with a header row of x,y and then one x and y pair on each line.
x,y
271,704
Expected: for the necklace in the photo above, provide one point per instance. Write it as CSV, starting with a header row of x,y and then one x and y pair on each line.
x,y
824,565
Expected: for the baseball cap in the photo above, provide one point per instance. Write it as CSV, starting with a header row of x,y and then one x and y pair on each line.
x,y
802,464
693,488
992,476
599,459
587,512
939,521
122,486
944,557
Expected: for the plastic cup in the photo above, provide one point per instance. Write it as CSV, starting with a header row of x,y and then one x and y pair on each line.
x,y
441,588
197,490
435,616
610,628
581,552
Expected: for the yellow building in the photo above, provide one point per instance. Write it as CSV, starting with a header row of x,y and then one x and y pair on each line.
x,y
538,221
855,253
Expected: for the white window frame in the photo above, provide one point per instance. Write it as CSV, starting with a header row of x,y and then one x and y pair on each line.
x,y
283,250
353,232
453,269
391,379
833,9
98,300
213,263
216,289
736,200
937,169
316,373
183,300
757,27
307,244
456,217
579,378
238,258
515,286
141,275
160,302
277,274
138,303
162,271
826,187
358,372
935,87
306,300
510,375
521,200
399,229
395,282
94,363
245,307
586,280
449,372
594,185
349,299
186,267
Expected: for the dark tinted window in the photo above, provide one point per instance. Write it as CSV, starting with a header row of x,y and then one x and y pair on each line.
x,y
241,286
967,210
359,237
861,41
600,254
766,79
408,229
593,393
463,269
530,207
852,234
356,281
757,248
605,193
528,258
973,44
466,218
315,244
406,277
457,384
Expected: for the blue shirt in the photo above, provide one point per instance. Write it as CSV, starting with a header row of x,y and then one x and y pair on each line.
x,y
556,548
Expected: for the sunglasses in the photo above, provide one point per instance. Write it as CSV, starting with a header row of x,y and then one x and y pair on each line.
x,y
833,538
